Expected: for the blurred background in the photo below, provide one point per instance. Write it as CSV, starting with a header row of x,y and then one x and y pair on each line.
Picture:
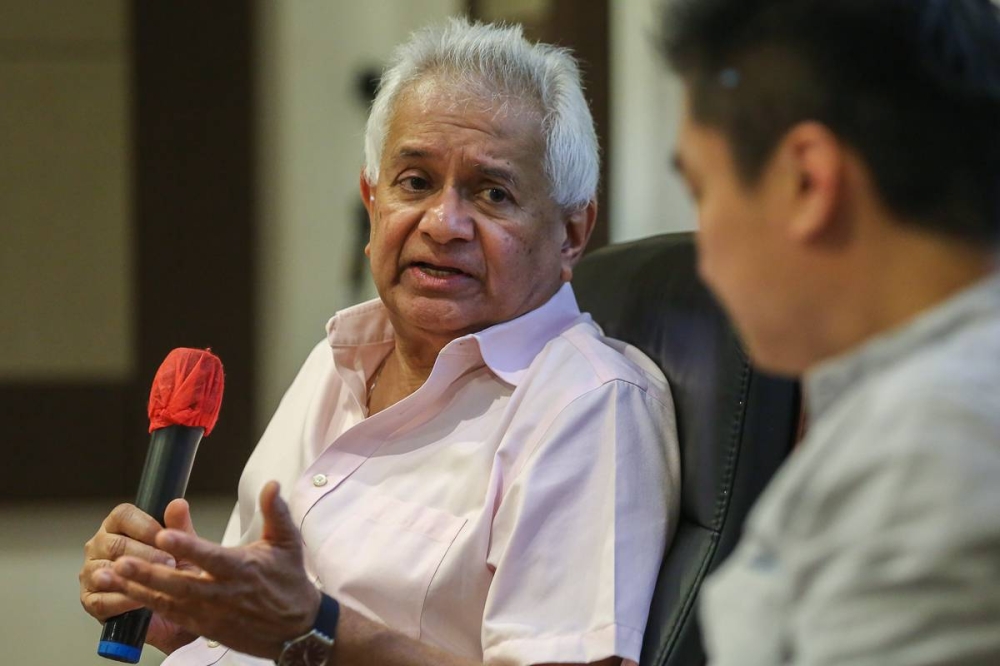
x,y
186,174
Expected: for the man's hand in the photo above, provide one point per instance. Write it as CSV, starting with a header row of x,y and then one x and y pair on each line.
x,y
128,532
252,598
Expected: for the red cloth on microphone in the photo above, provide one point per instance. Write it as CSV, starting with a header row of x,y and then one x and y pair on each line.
x,y
187,390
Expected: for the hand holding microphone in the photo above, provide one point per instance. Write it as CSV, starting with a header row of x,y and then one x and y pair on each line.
x,y
184,405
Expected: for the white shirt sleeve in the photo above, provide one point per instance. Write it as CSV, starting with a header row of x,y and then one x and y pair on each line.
x,y
579,534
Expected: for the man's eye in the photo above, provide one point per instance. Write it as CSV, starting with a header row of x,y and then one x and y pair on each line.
x,y
497,195
415,183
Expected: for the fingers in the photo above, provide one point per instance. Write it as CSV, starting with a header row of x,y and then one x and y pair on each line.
x,y
177,516
157,601
279,527
130,521
109,547
126,532
95,597
218,561
252,597
200,606
102,605
163,579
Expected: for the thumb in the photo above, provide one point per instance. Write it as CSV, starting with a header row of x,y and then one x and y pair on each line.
x,y
279,527
177,516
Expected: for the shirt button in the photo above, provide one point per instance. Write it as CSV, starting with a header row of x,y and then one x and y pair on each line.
x,y
212,644
319,480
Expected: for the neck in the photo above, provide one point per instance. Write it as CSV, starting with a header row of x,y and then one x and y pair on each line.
x,y
896,278
414,360
405,370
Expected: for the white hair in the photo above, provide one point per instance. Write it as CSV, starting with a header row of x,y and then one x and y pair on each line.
x,y
492,59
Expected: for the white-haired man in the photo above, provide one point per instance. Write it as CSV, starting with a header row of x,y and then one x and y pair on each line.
x,y
461,458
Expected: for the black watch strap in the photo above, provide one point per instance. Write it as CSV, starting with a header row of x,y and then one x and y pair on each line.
x,y
328,616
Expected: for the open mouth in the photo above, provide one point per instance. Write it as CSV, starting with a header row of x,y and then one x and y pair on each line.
x,y
437,271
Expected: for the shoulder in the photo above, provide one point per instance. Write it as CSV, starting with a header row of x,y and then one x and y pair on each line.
x,y
916,445
584,359
943,402
587,397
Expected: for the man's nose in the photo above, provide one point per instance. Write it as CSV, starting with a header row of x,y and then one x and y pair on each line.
x,y
449,218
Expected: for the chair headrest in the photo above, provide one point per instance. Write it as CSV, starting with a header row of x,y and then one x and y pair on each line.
x,y
648,294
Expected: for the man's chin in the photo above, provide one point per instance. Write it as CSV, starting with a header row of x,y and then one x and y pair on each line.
x,y
768,349
440,317
775,359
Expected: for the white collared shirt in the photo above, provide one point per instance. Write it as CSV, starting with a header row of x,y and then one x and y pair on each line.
x,y
514,509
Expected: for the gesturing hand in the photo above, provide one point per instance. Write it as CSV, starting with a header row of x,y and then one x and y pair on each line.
x,y
127,531
252,598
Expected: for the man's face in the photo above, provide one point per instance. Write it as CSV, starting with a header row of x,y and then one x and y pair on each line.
x,y
464,234
741,243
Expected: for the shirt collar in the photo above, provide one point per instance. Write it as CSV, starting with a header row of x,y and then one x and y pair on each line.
x,y
363,324
507,348
832,378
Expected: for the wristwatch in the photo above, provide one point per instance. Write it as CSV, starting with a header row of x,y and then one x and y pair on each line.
x,y
313,648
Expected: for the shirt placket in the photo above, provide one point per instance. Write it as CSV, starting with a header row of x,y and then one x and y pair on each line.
x,y
347,453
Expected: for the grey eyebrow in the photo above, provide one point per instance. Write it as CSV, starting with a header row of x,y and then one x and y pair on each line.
x,y
497,173
412,152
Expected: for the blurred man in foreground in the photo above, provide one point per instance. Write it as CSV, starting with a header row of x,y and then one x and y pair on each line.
x,y
845,160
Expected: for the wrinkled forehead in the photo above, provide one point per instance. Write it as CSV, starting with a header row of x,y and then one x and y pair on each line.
x,y
436,121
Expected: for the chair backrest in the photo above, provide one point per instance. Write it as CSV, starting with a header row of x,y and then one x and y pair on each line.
x,y
735,425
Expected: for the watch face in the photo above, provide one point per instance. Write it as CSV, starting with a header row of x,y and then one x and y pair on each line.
x,y
309,650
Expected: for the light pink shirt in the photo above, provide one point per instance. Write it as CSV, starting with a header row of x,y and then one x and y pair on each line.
x,y
514,509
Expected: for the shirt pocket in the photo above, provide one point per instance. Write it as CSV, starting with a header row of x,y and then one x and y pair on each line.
x,y
383,556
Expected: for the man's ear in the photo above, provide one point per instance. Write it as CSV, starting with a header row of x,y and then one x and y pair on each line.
x,y
813,159
578,224
368,199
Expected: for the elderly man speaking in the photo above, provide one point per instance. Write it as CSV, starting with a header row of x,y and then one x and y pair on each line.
x,y
469,471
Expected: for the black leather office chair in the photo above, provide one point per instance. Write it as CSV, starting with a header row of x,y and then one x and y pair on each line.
x,y
735,425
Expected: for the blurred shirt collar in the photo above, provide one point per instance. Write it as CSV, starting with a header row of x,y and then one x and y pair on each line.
x,y
831,379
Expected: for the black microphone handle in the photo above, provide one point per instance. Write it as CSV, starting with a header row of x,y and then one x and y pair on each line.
x,y
164,478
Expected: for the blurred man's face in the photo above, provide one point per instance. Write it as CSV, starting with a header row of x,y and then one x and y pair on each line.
x,y
741,243
464,233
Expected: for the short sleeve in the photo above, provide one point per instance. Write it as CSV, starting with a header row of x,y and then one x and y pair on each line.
x,y
902,565
579,534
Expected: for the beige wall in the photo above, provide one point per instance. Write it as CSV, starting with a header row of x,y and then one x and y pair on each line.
x,y
649,198
65,292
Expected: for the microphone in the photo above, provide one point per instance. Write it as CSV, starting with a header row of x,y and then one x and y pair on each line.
x,y
183,405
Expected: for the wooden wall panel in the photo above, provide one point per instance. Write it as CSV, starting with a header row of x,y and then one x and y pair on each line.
x,y
193,218
194,207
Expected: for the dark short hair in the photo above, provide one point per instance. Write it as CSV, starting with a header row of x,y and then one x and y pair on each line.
x,y
912,85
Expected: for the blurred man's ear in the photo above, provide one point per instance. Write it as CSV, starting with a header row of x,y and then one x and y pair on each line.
x,y
812,161
579,224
